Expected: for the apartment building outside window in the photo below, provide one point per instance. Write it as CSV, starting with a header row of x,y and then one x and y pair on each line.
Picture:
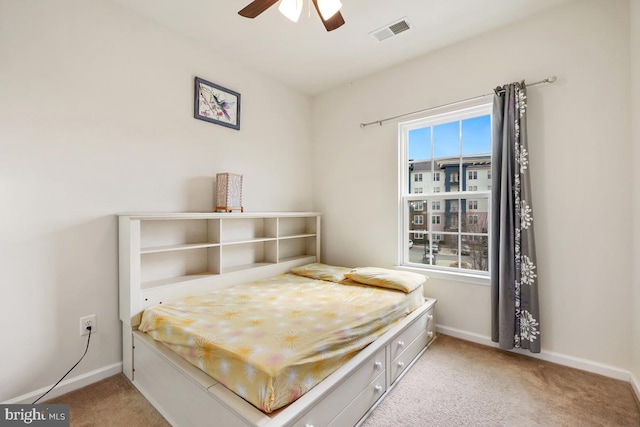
x,y
452,149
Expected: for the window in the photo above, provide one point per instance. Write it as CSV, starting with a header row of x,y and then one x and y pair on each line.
x,y
449,143
417,190
418,206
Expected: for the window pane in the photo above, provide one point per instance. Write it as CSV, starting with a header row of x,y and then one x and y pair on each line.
x,y
474,253
446,140
476,135
420,144
418,230
476,217
452,174
420,177
477,172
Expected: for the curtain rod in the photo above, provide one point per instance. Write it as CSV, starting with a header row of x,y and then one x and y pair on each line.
x,y
551,79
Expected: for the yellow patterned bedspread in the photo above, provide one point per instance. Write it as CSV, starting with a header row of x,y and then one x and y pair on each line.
x,y
272,340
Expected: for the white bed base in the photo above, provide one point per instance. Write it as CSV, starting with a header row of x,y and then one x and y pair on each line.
x,y
186,396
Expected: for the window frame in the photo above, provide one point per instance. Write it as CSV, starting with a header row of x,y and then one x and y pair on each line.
x,y
459,111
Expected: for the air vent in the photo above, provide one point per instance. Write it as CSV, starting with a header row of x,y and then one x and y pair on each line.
x,y
392,29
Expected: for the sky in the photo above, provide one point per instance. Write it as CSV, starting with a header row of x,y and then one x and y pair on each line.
x,y
476,139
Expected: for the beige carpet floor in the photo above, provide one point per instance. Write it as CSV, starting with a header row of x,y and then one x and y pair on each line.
x,y
454,383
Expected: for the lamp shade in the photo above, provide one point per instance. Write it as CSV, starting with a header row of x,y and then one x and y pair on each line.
x,y
291,9
228,192
328,8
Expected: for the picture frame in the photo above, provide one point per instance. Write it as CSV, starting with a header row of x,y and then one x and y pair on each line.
x,y
216,104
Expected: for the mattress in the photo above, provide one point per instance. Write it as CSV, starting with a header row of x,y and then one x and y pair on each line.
x,y
272,340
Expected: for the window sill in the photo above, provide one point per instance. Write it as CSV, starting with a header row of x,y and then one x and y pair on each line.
x,y
474,279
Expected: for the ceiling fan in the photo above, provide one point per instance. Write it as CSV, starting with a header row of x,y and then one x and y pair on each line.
x,y
329,10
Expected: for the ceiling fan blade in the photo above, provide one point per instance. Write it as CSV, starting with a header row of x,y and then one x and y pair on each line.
x,y
256,7
336,21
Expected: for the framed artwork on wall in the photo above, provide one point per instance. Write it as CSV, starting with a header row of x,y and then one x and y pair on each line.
x,y
216,104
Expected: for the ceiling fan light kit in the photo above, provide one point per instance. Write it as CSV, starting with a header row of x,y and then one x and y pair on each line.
x,y
291,9
329,10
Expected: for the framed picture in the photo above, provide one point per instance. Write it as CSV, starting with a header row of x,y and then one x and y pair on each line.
x,y
216,104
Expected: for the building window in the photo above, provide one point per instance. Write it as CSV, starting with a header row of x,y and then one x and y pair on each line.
x,y
417,190
418,235
418,206
450,142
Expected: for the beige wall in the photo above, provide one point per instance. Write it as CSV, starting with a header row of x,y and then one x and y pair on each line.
x,y
96,118
579,147
635,161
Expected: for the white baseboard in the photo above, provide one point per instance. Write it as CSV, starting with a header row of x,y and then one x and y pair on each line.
x,y
635,385
70,384
549,356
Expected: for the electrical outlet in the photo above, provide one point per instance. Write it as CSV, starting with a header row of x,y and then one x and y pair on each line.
x,y
87,321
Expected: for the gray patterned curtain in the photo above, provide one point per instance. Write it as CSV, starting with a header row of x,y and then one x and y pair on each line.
x,y
514,287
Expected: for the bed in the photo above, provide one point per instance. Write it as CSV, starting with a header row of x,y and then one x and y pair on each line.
x,y
288,344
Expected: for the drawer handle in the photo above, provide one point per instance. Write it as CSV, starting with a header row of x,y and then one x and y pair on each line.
x,y
377,365
430,317
400,344
400,364
378,388
430,334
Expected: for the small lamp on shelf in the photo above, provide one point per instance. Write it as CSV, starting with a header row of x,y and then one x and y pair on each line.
x,y
228,192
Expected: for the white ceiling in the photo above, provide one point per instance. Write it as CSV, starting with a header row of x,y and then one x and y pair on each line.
x,y
307,57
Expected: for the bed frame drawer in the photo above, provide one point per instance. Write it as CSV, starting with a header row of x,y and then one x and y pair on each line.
x,y
361,404
370,376
404,359
402,341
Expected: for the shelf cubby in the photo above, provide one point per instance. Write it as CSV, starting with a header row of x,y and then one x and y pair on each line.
x,y
166,249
